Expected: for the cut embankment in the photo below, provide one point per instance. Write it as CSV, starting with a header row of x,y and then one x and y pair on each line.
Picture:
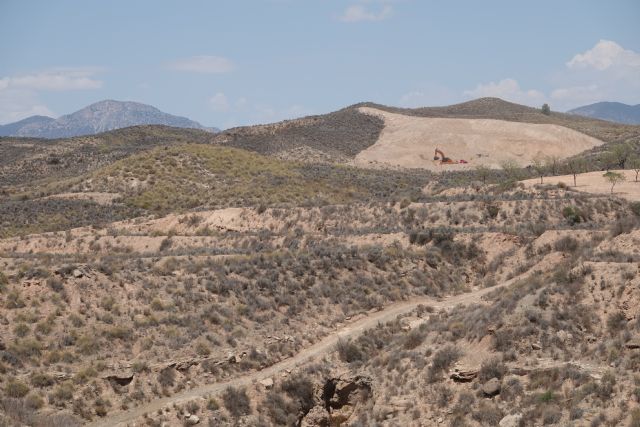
x,y
410,142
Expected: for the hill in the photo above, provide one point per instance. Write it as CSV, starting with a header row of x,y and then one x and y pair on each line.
x,y
31,162
99,117
24,124
611,111
340,136
410,142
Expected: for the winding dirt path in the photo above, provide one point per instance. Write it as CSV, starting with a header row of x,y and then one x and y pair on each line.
x,y
324,346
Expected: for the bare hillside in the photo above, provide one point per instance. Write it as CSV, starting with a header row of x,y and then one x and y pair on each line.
x,y
410,142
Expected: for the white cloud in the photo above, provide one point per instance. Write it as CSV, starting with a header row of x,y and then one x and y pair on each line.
x,y
507,89
19,94
579,94
54,80
604,55
361,13
203,64
244,111
606,72
18,104
219,102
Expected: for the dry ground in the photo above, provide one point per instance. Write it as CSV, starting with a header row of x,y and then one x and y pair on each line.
x,y
410,142
164,313
595,183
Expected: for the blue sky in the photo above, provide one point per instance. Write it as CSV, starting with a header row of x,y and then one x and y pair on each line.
x,y
226,63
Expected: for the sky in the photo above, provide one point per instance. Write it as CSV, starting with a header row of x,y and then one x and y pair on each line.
x,y
237,62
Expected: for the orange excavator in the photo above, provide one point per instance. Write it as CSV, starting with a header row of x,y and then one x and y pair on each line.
x,y
444,160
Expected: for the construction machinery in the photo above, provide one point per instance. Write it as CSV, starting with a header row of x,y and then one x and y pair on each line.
x,y
444,160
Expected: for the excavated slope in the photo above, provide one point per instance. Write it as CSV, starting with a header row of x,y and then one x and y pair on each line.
x,y
410,142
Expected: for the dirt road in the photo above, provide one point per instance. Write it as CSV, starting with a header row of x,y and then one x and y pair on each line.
x,y
324,346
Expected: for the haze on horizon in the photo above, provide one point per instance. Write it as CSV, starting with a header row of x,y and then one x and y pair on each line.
x,y
226,63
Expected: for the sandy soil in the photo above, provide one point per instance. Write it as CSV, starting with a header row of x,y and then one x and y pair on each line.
x,y
410,142
594,182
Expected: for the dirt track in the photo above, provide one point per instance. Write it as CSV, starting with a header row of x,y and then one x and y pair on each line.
x,y
324,346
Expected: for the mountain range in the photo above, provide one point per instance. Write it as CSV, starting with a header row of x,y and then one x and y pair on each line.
x,y
611,111
99,117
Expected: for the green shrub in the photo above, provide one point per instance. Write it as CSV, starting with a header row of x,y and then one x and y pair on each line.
x,y
547,396
573,215
635,208
16,388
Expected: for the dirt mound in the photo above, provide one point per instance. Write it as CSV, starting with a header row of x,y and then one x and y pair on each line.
x,y
410,141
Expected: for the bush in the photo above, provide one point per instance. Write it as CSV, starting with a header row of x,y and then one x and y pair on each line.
x,y
566,244
488,414
15,388
616,322
167,377
236,401
492,368
40,379
300,389
61,394
573,215
493,211
348,351
634,206
442,360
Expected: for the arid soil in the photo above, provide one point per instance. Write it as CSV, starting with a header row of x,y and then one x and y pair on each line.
x,y
594,182
410,142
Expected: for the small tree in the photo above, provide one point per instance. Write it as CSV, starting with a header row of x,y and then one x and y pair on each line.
x,y
614,178
621,154
511,169
553,163
546,110
483,172
576,166
634,163
540,166
608,160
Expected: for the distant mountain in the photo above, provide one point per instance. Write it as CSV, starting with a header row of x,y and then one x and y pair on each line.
x,y
12,129
99,117
611,111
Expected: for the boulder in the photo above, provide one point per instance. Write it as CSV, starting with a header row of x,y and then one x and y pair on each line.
x,y
192,420
491,387
463,374
77,273
316,417
343,395
267,383
512,420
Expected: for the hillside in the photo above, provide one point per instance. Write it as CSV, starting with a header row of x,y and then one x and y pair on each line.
x,y
611,111
28,161
340,136
410,142
14,129
99,117
364,307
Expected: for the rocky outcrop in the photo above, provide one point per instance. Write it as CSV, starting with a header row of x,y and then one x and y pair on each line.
x,y
463,374
491,387
339,400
